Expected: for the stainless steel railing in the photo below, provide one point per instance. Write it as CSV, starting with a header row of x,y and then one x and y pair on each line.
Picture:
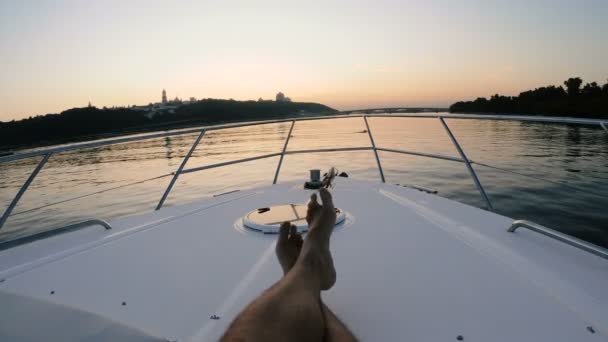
x,y
371,138
21,191
467,162
53,232
567,239
276,173
47,153
179,170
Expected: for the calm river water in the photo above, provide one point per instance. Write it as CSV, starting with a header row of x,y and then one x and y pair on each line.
x,y
553,174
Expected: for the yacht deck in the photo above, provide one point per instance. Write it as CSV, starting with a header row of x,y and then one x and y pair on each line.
x,y
411,266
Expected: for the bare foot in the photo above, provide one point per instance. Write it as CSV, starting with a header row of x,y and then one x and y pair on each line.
x,y
288,250
321,219
288,246
315,250
316,255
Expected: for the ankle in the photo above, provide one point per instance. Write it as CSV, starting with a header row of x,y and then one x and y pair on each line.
x,y
319,266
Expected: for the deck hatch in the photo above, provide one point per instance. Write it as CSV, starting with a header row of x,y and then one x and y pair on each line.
x,y
268,219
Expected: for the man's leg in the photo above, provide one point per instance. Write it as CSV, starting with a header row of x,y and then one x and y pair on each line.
x,y
291,309
335,330
288,249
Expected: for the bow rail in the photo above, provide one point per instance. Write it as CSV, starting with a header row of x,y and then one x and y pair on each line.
x,y
554,234
53,232
47,153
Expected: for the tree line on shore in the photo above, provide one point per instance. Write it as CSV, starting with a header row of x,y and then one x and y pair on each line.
x,y
590,100
77,123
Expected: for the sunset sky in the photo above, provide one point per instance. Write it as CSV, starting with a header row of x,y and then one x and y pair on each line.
x,y
59,54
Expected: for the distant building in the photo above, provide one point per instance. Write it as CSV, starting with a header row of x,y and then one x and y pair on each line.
x,y
282,98
164,98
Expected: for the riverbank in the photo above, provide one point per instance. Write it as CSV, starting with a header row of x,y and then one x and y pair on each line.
x,y
576,100
79,124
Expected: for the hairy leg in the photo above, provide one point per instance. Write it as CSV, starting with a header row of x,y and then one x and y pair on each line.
x,y
335,330
285,312
315,250
291,309
288,249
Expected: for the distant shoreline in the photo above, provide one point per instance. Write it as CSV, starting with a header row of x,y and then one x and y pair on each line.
x,y
588,101
90,123
138,130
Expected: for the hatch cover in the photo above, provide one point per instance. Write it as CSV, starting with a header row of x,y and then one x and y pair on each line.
x,y
268,220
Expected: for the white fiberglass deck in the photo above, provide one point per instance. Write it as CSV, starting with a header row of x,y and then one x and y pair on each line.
x,y
411,267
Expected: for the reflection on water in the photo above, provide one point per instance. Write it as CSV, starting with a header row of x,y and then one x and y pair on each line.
x,y
556,175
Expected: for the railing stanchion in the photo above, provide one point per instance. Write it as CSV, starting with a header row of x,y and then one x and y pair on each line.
x,y
603,124
24,187
179,170
371,138
467,162
276,173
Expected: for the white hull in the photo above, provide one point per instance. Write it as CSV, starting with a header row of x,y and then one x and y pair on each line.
x,y
411,266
